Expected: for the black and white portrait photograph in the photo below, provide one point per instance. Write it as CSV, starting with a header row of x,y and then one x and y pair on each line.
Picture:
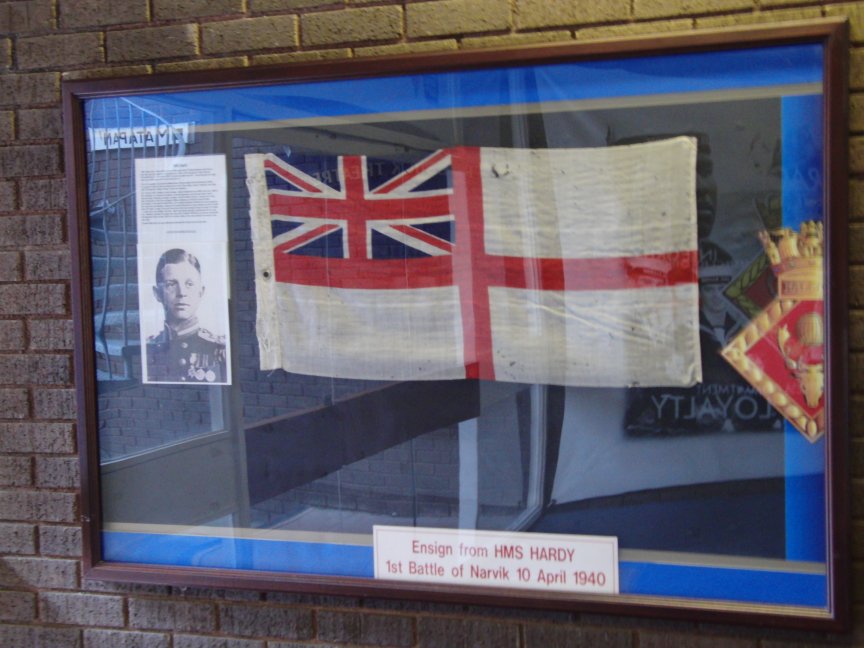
x,y
184,314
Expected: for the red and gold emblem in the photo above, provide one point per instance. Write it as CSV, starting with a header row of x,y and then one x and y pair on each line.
x,y
781,352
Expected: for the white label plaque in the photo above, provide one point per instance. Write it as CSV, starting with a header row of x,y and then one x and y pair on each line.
x,y
181,199
538,561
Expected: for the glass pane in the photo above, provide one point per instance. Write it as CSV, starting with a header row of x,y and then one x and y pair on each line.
x,y
544,299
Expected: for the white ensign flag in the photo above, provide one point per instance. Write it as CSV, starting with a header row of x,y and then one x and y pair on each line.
x,y
558,266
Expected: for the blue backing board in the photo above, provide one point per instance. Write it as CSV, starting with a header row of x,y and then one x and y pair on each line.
x,y
626,77
719,583
803,183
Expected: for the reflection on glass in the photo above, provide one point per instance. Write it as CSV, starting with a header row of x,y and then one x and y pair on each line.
x,y
321,438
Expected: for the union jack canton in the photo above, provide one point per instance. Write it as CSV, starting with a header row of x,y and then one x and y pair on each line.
x,y
523,265
362,209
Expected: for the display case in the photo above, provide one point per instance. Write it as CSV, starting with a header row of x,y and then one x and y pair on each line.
x,y
555,327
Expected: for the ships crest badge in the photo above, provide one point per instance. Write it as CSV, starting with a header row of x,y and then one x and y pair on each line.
x,y
781,352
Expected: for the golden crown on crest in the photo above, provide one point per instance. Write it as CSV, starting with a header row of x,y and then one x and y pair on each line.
x,y
797,260
794,328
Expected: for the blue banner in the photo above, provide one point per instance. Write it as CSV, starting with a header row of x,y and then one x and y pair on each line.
x,y
444,91
700,582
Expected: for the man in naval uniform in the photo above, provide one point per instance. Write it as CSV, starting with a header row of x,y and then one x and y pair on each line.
x,y
183,351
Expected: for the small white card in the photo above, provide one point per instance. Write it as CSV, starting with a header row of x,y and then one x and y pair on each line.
x,y
183,283
181,199
537,561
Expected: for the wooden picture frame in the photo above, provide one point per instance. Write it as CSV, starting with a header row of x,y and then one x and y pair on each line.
x,y
725,493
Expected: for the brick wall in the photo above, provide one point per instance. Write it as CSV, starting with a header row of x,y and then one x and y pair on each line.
x,y
43,600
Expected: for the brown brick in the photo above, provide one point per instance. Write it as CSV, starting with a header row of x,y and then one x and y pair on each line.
x,y
198,641
758,17
634,29
82,609
855,13
515,40
203,64
31,160
39,438
37,369
780,639
575,636
17,606
856,199
113,71
408,48
857,458
654,639
856,154
857,498
46,265
21,636
66,50
172,41
43,194
312,600
26,505
257,621
39,573
19,231
443,632
32,299
24,17
448,17
369,24
856,286
17,538
856,331
122,639
531,14
54,403
57,472
664,8
182,616
856,69
11,335
13,402
19,90
210,594
856,429
97,13
10,266
856,409
8,197
365,628
40,123
856,385
856,243
15,471
50,335
298,57
857,541
248,34
7,126
771,3
176,9
60,541
284,5
20,437
107,587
